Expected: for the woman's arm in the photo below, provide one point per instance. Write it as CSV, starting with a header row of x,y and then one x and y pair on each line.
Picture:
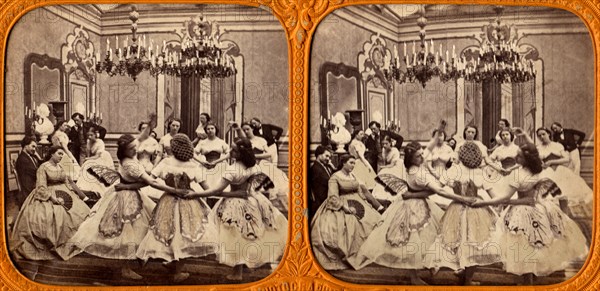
x,y
218,191
448,193
155,184
76,189
564,160
374,202
498,197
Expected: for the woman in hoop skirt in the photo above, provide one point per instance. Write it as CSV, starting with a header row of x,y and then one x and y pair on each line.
x,y
279,194
344,220
363,169
121,218
179,228
251,225
503,159
438,159
392,164
547,239
212,153
51,213
412,219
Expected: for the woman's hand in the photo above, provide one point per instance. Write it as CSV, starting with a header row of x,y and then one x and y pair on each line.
x,y
479,203
468,200
518,131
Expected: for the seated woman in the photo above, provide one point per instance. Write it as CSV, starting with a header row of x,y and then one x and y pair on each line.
x,y
363,169
344,220
68,162
96,155
51,213
547,240
280,193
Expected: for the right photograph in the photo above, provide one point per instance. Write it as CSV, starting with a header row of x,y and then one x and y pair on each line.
x,y
451,144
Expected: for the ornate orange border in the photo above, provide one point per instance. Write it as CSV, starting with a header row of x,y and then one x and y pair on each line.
x,y
299,270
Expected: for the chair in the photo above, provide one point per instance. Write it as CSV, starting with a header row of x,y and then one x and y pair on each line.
x,y
13,165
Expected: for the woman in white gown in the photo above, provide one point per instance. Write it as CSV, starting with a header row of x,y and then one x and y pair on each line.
x,y
212,153
576,194
280,194
200,132
148,152
165,142
503,160
96,155
546,239
362,169
68,162
438,159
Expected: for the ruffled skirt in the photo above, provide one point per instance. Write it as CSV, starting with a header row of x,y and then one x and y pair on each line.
x,y
115,228
42,229
337,236
251,231
179,229
538,239
407,233
573,188
465,238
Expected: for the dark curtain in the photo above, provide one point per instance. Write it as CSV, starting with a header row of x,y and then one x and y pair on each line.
x,y
491,110
523,104
191,87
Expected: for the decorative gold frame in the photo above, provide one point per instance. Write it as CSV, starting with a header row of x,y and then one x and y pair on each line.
x,y
298,269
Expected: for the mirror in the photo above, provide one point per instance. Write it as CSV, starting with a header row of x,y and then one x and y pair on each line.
x,y
44,79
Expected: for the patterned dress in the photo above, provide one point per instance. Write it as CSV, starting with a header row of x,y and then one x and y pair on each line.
x,y
279,195
251,231
538,239
465,235
408,230
42,228
439,156
179,228
118,221
337,236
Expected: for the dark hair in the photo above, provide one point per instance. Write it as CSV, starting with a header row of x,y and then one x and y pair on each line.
x,y
376,124
171,122
409,151
439,131
471,126
27,140
77,114
355,132
139,128
52,150
531,156
557,124
122,144
59,124
256,119
544,129
451,146
506,123
214,125
512,136
387,138
321,150
93,129
344,159
205,115
245,152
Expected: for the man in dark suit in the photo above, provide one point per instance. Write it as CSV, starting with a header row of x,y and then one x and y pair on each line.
x,y
320,172
26,166
571,139
373,143
271,133
77,136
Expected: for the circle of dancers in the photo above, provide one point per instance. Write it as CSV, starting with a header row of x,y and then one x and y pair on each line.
x,y
168,200
451,205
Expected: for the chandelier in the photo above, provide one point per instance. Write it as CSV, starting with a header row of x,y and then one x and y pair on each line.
x,y
425,64
497,57
199,54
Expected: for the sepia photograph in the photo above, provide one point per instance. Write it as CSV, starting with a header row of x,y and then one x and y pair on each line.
x,y
146,144
451,144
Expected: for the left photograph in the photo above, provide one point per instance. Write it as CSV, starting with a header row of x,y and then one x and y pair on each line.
x,y
146,144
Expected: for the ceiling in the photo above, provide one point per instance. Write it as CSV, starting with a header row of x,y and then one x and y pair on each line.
x,y
109,8
406,12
